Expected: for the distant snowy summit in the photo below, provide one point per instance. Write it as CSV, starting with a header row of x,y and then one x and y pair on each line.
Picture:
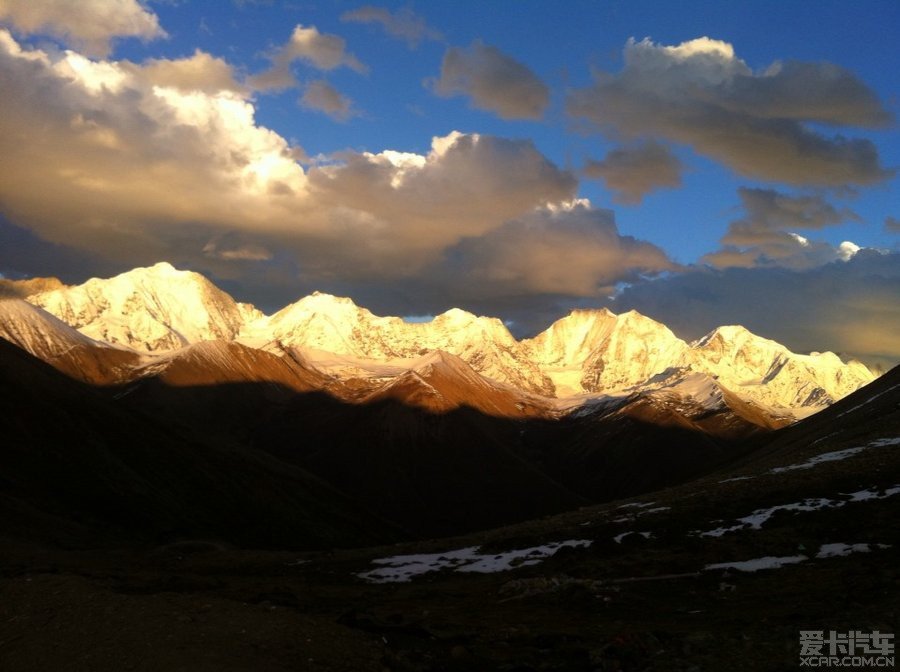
x,y
589,352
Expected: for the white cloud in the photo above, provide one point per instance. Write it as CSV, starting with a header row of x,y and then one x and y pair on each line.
x,y
89,25
701,94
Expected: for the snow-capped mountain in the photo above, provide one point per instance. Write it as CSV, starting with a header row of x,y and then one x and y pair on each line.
x,y
55,342
149,309
589,352
442,382
769,373
229,362
597,351
337,325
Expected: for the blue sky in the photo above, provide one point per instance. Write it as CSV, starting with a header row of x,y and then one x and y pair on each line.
x,y
677,155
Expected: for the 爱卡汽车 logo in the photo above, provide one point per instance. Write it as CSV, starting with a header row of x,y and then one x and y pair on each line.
x,y
853,648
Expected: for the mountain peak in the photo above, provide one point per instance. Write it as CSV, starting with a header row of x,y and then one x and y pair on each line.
x,y
162,268
589,314
456,316
734,337
152,308
326,296
324,300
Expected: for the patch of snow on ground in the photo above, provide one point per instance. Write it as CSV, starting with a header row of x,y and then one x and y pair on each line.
x,y
836,550
636,505
873,493
637,514
868,401
839,550
837,455
619,537
768,562
402,568
758,518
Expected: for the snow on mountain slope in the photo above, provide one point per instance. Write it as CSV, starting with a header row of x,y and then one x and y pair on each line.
x,y
697,400
221,362
769,373
337,325
160,309
150,309
636,349
598,351
53,341
442,382
562,349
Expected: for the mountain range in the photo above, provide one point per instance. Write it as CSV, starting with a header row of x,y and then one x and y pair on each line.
x,y
131,326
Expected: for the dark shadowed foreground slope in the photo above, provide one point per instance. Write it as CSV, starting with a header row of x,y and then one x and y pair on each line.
x,y
75,462
721,571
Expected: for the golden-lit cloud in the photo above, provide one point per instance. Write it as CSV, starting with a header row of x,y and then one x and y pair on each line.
x,y
493,81
135,162
199,72
113,154
89,25
759,124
